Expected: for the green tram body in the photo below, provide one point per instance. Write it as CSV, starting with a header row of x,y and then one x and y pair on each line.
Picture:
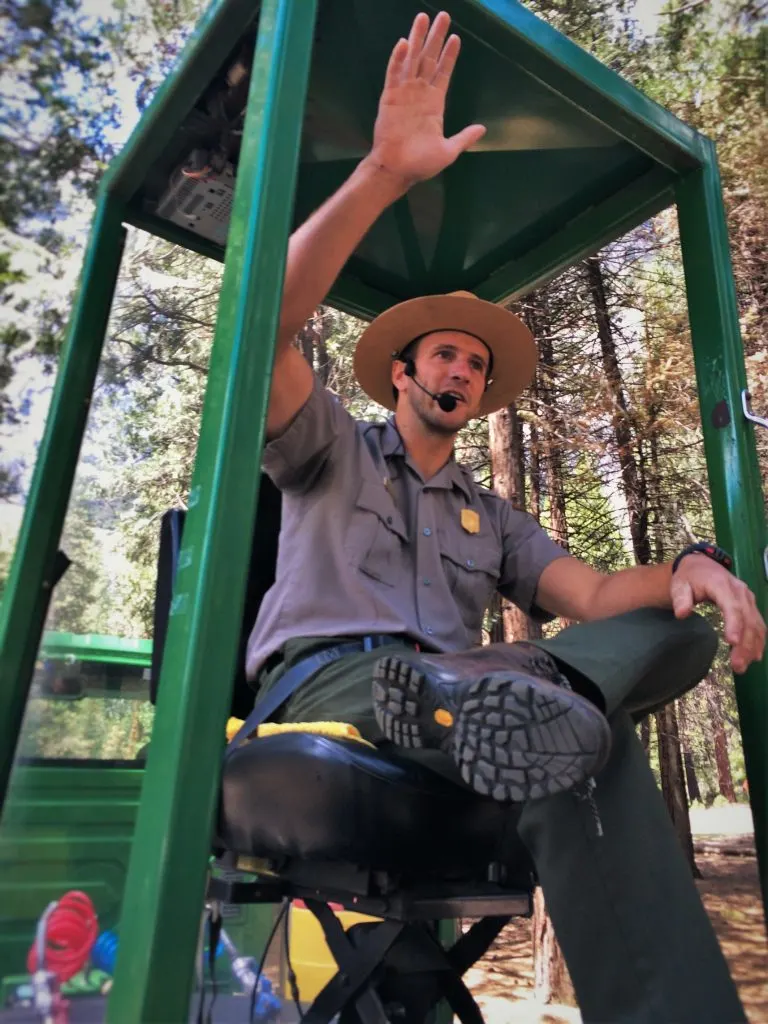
x,y
69,821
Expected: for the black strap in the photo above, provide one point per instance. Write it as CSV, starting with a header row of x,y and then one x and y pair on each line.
x,y
287,684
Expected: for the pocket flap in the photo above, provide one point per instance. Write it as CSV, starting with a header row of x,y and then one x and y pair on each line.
x,y
476,558
374,497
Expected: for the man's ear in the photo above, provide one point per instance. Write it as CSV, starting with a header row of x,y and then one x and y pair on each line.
x,y
398,375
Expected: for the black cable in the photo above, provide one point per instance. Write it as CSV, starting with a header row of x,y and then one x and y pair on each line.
x,y
201,964
273,932
292,980
215,925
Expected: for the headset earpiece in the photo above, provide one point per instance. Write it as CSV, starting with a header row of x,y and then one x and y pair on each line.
x,y
410,367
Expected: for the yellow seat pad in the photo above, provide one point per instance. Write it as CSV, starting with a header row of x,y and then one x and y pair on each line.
x,y
336,730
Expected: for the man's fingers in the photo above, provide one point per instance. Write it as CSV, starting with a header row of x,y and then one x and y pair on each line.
x,y
434,46
396,63
752,644
418,34
446,64
466,138
732,616
682,598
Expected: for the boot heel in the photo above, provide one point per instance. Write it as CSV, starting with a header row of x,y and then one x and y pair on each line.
x,y
405,709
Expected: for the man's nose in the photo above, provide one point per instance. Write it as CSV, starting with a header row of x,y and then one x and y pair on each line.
x,y
460,371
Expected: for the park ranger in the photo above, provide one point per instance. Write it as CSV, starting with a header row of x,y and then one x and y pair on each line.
x,y
390,552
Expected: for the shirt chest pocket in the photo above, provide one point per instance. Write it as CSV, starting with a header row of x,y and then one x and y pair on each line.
x,y
376,535
472,566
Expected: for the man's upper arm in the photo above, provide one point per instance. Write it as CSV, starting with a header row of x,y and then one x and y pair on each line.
x,y
291,387
567,587
295,458
528,553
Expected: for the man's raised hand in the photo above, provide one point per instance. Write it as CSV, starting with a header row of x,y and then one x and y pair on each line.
x,y
408,138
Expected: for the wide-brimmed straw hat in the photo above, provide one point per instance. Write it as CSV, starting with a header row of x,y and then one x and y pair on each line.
x,y
507,337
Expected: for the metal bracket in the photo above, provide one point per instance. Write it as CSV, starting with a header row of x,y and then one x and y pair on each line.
x,y
759,420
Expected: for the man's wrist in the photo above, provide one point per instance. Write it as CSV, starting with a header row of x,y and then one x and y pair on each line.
x,y
707,550
389,186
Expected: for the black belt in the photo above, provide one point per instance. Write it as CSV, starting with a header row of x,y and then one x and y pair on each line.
x,y
292,679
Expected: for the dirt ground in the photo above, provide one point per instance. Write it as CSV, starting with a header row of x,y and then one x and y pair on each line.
x,y
502,982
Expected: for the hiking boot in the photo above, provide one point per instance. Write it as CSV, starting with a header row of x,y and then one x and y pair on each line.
x,y
504,712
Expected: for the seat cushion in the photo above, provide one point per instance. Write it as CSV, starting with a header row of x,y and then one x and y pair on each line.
x,y
316,798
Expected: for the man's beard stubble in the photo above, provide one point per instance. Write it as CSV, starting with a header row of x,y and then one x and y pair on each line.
x,y
430,414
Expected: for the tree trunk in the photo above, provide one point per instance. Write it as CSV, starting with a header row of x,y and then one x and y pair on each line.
x,y
634,492
672,780
505,439
645,733
310,341
552,983
691,780
534,504
635,487
322,358
719,738
551,443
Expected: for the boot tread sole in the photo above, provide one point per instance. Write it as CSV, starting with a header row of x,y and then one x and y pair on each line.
x,y
514,737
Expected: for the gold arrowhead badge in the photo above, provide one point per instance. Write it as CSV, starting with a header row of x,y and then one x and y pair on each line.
x,y
470,520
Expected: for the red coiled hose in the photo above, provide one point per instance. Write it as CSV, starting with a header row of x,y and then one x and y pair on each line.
x,y
70,932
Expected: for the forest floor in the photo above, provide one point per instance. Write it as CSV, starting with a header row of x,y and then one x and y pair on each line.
x,y
502,982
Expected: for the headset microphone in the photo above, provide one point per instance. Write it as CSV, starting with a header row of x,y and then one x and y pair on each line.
x,y
446,402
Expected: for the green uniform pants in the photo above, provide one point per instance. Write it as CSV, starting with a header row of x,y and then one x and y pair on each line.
x,y
637,941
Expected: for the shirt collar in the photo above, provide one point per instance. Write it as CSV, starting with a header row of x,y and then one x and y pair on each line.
x,y
391,442
451,475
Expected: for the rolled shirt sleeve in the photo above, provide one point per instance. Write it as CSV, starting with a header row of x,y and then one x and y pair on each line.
x,y
294,460
527,551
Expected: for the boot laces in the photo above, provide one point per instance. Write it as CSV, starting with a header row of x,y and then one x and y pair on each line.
x,y
585,791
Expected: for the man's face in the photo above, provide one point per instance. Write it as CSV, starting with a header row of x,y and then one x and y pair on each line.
x,y
447,362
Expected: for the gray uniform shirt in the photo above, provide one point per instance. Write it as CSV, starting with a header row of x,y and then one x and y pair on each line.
x,y
368,546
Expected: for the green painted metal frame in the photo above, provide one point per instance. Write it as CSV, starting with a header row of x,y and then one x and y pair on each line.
x,y
166,881
168,865
734,474
117,650
551,58
578,77
29,583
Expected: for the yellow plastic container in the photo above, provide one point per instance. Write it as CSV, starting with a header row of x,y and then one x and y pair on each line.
x,y
312,961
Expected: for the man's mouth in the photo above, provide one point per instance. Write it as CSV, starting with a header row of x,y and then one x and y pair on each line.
x,y
456,394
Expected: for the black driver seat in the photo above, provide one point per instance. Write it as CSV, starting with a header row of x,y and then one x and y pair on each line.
x,y
340,821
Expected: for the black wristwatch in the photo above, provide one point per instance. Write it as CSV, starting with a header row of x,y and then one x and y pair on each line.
x,y
705,547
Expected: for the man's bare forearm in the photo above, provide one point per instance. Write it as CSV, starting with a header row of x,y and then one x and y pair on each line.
x,y
318,250
642,586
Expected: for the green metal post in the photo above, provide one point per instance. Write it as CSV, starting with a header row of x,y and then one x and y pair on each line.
x,y
734,475
166,879
29,584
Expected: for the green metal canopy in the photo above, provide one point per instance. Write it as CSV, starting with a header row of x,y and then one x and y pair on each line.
x,y
270,108
573,156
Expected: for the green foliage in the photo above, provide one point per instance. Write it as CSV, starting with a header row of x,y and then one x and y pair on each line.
x,y
111,728
53,128
593,531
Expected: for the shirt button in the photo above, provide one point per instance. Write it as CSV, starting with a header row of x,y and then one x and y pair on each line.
x,y
389,520
471,563
428,631
427,583
427,532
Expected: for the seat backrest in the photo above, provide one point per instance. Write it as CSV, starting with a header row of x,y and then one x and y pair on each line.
x,y
261,575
